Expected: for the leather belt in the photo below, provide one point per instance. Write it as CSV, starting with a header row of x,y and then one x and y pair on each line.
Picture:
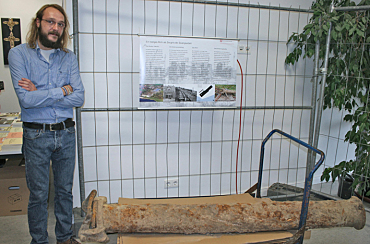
x,y
57,126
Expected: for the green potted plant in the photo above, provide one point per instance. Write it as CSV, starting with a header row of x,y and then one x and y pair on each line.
x,y
347,85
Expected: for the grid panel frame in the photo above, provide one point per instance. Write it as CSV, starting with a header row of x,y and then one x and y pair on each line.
x,y
132,152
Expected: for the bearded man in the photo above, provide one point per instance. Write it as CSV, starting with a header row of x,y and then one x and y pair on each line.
x,y
47,81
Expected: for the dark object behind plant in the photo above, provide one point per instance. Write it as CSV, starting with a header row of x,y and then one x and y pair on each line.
x,y
347,84
345,187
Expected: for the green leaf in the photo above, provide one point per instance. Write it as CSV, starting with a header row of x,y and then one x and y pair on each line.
x,y
348,117
335,18
334,35
316,13
363,118
338,28
351,31
308,26
360,33
362,127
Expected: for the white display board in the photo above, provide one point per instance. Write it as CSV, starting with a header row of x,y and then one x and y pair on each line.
x,y
187,72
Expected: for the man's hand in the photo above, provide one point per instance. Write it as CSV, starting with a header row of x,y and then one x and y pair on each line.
x,y
67,90
27,84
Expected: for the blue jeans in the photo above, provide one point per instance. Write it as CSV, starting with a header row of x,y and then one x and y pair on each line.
x,y
39,147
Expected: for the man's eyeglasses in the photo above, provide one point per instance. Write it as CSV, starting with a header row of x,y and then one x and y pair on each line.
x,y
61,25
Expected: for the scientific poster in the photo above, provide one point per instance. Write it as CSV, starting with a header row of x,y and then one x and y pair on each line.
x,y
187,72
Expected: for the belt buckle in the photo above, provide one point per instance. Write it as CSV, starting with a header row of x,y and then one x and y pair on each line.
x,y
51,125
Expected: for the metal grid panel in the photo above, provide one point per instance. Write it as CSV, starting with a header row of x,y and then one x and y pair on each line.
x,y
129,152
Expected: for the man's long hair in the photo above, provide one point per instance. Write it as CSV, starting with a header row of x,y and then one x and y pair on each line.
x,y
32,34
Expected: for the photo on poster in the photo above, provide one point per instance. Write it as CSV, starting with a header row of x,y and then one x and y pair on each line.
x,y
180,93
206,93
225,93
151,92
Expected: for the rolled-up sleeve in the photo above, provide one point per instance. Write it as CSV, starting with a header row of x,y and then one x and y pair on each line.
x,y
76,99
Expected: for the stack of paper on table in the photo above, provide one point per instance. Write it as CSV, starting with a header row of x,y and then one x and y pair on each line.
x,y
11,133
5,122
12,145
3,135
17,123
13,115
5,129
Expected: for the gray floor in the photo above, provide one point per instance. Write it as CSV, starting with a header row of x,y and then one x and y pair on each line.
x,y
14,229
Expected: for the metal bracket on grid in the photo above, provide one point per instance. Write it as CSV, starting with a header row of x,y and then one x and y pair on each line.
x,y
323,70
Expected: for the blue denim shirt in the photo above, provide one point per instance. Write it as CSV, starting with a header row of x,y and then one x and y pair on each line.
x,y
47,104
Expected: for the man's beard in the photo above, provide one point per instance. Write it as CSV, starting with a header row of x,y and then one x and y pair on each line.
x,y
43,38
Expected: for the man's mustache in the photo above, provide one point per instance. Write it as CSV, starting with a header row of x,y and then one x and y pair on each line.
x,y
54,32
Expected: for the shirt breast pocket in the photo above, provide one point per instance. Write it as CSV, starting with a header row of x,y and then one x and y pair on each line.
x,y
63,77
